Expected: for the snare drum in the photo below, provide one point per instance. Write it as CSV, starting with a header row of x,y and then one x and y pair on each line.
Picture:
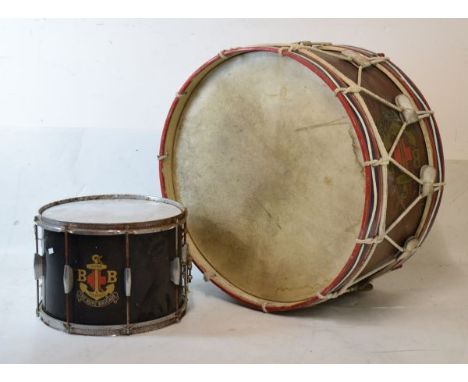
x,y
111,264
309,169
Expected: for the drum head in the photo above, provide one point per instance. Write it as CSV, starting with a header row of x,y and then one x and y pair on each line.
x,y
101,214
111,211
266,160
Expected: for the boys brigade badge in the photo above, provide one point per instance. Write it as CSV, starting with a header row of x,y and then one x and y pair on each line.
x,y
97,284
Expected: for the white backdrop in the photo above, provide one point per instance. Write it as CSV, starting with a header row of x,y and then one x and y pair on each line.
x,y
82,104
123,74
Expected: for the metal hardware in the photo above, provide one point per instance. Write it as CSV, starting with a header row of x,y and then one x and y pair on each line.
x,y
188,263
362,287
187,260
176,268
111,330
67,279
176,271
312,43
110,229
408,111
38,266
128,281
427,175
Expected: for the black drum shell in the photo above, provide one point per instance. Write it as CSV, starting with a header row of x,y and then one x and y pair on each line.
x,y
153,294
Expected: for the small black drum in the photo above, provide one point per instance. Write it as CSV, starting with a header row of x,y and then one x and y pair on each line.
x,y
111,264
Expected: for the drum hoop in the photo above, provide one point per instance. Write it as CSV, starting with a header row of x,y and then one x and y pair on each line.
x,y
105,229
112,330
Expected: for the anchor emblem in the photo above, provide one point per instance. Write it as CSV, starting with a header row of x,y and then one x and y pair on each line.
x,y
97,289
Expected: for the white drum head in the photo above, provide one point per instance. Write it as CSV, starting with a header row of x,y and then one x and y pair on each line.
x,y
267,163
111,211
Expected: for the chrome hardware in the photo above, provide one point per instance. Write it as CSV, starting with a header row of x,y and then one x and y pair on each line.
x,y
38,266
67,279
128,281
175,271
188,263
111,330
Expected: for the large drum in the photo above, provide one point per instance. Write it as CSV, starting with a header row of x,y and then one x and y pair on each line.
x,y
309,169
111,264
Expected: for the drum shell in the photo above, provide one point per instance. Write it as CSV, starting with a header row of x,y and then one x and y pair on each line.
x,y
411,152
153,294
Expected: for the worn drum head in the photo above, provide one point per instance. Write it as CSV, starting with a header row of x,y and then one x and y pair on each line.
x,y
265,158
101,214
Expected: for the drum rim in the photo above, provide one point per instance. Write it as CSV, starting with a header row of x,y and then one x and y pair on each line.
x,y
111,330
150,226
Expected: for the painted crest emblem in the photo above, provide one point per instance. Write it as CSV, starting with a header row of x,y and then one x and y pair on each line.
x,y
97,284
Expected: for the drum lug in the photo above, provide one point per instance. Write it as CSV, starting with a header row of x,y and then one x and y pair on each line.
x,y
67,279
38,266
175,271
181,266
128,281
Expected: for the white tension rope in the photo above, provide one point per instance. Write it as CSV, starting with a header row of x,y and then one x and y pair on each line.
x,y
409,115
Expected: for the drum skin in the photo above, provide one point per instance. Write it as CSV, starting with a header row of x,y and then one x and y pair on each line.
x,y
396,216
154,295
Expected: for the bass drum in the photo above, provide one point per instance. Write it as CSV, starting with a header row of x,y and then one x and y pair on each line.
x,y
309,169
